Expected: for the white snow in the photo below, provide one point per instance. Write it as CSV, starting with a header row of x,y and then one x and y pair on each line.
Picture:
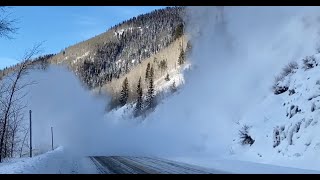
x,y
176,76
80,57
243,167
54,162
295,117
119,33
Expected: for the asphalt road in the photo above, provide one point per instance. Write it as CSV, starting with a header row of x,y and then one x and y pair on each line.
x,y
146,165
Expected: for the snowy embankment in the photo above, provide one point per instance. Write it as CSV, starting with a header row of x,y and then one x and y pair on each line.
x,y
285,126
53,162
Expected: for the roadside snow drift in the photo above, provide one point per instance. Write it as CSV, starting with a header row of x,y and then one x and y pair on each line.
x,y
55,162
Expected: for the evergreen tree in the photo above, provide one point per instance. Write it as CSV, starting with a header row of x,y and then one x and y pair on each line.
x,y
181,59
173,87
151,74
167,77
124,92
139,99
150,93
178,31
163,65
147,72
188,48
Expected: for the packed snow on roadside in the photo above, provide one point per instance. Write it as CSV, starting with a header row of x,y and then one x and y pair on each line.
x,y
242,167
58,161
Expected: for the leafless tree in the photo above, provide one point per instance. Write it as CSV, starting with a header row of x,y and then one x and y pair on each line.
x,y
15,127
23,143
7,23
11,102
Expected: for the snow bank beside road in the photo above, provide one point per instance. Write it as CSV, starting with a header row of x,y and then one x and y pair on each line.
x,y
243,167
53,162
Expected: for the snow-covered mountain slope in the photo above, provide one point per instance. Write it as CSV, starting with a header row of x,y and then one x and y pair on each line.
x,y
285,127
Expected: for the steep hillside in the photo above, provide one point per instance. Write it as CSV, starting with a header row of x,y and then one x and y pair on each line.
x,y
285,126
112,54
170,55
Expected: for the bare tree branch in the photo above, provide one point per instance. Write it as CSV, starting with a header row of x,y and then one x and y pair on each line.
x,y
12,98
7,24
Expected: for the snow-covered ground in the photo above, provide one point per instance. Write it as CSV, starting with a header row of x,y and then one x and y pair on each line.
x,y
175,75
54,162
285,126
243,167
61,162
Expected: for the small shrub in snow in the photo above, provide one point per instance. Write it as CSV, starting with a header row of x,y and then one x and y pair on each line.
x,y
244,136
297,127
309,62
291,92
276,137
279,89
293,111
289,68
276,88
313,107
318,82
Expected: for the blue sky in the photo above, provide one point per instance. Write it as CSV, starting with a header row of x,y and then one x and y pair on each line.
x,y
61,26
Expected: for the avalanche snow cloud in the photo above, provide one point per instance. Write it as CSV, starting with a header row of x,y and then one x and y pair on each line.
x,y
236,53
77,116
59,100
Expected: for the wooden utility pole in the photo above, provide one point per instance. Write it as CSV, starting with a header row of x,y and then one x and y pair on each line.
x,y
52,138
30,134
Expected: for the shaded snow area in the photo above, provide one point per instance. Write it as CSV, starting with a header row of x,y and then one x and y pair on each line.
x,y
285,126
54,162
243,167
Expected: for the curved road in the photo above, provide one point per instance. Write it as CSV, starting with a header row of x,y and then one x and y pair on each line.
x,y
146,165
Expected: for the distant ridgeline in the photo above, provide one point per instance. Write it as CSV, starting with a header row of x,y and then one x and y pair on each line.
x,y
112,54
